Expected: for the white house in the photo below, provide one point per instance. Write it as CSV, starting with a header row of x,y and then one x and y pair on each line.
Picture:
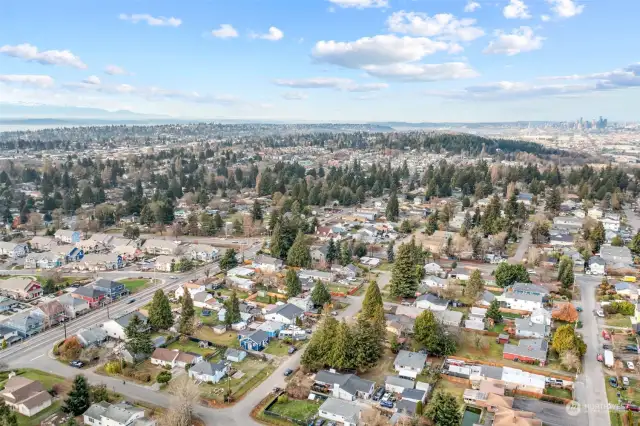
x,y
174,358
115,327
205,300
194,288
123,414
523,302
203,252
304,303
610,224
286,314
409,364
431,302
595,213
397,384
42,243
13,250
165,263
348,387
345,412
434,281
46,260
541,316
209,372
433,269
315,275
268,264
596,265
67,236
26,396
153,246
529,329
234,355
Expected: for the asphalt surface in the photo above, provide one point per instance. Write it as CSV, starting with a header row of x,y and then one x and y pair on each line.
x,y
550,414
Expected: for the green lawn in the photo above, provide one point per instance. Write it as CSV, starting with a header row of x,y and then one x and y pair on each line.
x,y
229,338
191,347
38,418
384,267
300,410
227,292
135,285
632,393
618,320
559,392
488,349
210,320
456,389
498,328
277,348
255,371
47,379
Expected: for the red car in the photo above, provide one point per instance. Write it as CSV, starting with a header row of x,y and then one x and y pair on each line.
x,y
631,407
606,335
600,358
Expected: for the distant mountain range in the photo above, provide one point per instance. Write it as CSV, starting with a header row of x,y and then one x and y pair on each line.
x,y
16,111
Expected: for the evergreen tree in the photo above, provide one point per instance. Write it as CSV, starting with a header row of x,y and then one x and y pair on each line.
x,y
565,272
138,337
404,282
299,254
634,245
367,345
78,400
321,343
553,201
256,212
372,306
597,237
493,312
292,281
332,252
7,415
507,274
217,219
160,316
187,315
443,409
431,334
277,241
392,211
341,355
345,255
475,285
320,295
229,260
232,307
390,253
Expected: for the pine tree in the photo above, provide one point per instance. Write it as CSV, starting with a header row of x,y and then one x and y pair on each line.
x,y
229,260
320,345
138,337
404,282
187,315
292,281
597,237
7,415
160,316
299,254
494,312
392,211
553,201
332,252
320,295
367,345
443,409
340,356
345,255
475,285
390,253
78,400
372,306
256,213
232,310
277,241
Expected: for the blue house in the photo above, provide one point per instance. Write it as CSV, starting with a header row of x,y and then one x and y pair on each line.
x,y
25,324
67,236
272,328
112,289
255,341
7,303
71,254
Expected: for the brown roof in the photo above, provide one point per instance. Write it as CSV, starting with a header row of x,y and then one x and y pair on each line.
x,y
506,417
187,358
37,399
51,308
499,401
18,389
164,354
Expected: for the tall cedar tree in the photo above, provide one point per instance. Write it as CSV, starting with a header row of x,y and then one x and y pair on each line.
x,y
404,282
138,337
553,201
345,255
493,312
390,253
320,295
431,334
187,315
367,345
78,400
507,274
256,213
277,242
299,254
392,211
475,285
372,307
597,237
229,260
332,252
7,415
321,343
634,245
340,356
443,410
292,282
160,316
232,314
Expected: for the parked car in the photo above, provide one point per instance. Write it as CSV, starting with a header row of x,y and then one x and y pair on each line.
x,y
77,364
292,349
631,348
631,407
131,300
319,422
600,358
630,365
288,372
579,309
606,347
606,335
600,313
386,404
378,394
613,382
173,277
625,381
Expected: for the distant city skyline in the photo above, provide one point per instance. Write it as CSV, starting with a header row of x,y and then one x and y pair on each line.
x,y
326,60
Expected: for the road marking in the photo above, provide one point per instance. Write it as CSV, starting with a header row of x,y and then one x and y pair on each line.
x,y
37,357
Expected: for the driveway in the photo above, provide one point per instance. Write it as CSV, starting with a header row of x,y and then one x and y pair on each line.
x,y
590,387
550,414
518,257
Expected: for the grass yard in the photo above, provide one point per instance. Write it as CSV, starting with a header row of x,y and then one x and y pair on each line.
x,y
631,394
208,320
498,328
230,338
457,389
255,371
227,292
383,267
559,392
38,418
618,320
277,348
298,410
190,346
135,285
478,347
382,369
47,379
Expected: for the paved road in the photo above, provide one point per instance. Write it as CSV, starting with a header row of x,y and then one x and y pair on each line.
x,y
550,414
590,389
632,218
518,257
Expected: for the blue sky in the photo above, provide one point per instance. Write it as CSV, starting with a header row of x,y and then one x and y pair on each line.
x,y
326,60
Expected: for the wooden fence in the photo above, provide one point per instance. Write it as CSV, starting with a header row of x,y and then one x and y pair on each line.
x,y
521,367
453,379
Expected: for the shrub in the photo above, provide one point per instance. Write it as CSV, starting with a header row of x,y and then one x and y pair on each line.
x,y
283,399
113,367
142,376
163,377
70,349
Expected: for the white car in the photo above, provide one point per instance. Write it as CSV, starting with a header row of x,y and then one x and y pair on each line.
x,y
625,381
600,313
630,365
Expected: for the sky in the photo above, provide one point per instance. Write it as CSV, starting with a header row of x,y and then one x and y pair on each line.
x,y
326,60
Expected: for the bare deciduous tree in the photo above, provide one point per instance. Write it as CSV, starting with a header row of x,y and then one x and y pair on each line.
x,y
184,394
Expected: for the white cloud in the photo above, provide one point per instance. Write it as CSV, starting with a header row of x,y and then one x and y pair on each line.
x,y
116,70
225,31
31,53
519,40
565,8
294,96
443,25
545,18
423,72
92,79
516,9
471,6
274,34
344,84
154,21
360,4
30,80
377,50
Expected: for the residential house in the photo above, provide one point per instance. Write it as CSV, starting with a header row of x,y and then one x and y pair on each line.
x,y
616,255
397,384
433,268
349,271
434,281
319,254
462,274
595,213
67,236
524,296
610,224
165,263
13,250
255,341
46,260
507,417
529,329
128,253
202,252
174,358
73,306
21,288
101,262
154,246
561,240
91,295
525,198
26,323
115,327
43,243
52,312
234,355
432,302
268,264
486,298
345,386
240,282
532,351
449,318
596,265
208,372
69,253
370,261
409,364
102,239
193,288
523,380
315,275
304,303
27,397
409,311
541,316
9,335
570,223
337,410
415,395
123,414
286,314
92,337
205,300
112,289
272,328
628,290
7,303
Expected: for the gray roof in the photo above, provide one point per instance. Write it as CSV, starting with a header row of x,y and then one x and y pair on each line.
x,y
289,311
529,288
410,359
416,394
449,317
532,348
92,335
596,260
623,285
614,251
491,371
562,238
399,381
406,406
433,299
487,296
124,320
258,336
231,352
525,296
348,382
208,368
105,283
88,291
268,260
523,324
345,409
120,413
